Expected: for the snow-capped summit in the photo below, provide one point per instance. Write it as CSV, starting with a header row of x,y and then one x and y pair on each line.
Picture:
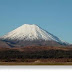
x,y
30,32
31,35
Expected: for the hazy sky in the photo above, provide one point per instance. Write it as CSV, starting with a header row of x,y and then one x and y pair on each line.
x,y
55,16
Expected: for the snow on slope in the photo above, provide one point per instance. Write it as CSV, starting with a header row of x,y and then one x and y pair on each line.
x,y
30,32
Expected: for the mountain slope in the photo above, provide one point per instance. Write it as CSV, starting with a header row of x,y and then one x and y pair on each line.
x,y
31,35
4,44
30,32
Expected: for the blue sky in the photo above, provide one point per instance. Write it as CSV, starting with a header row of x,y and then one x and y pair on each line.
x,y
55,16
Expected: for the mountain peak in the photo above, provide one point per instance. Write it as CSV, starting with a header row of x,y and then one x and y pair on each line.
x,y
30,25
30,32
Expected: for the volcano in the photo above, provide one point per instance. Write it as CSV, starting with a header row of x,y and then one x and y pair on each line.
x,y
31,35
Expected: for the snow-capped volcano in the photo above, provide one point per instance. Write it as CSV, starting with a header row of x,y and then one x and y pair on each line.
x,y
30,32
